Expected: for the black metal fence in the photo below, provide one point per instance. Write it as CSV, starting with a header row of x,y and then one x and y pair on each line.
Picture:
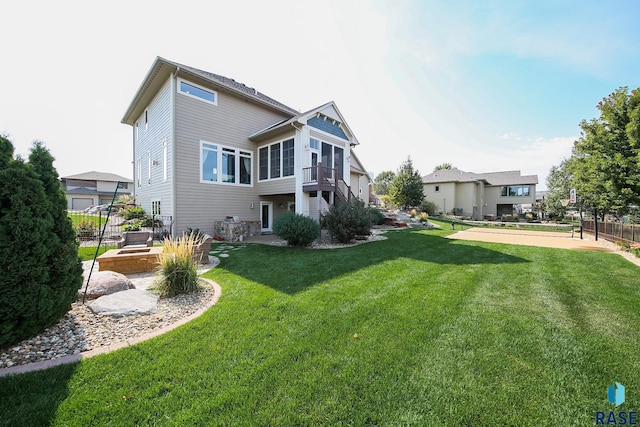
x,y
614,231
89,226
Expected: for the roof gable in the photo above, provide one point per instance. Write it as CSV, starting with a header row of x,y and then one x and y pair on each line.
x,y
317,118
162,69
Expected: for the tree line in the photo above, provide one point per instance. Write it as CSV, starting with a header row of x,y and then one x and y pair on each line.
x,y
604,167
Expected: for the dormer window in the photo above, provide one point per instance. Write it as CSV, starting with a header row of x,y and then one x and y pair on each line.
x,y
198,92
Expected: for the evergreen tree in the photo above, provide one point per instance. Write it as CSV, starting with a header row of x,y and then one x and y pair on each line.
x,y
407,190
64,264
34,292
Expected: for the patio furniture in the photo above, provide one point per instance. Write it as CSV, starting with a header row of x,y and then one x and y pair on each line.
x,y
201,251
132,239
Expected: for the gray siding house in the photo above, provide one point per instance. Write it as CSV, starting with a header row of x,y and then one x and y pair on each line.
x,y
93,188
479,195
208,149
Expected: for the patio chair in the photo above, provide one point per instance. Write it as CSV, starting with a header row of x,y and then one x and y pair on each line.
x,y
138,239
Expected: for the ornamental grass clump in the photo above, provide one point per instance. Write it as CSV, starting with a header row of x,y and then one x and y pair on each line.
x,y
178,270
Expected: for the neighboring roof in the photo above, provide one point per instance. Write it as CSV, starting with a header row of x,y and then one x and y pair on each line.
x,y
163,68
329,109
489,178
98,176
87,191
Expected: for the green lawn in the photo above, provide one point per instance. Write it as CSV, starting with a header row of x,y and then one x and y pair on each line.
x,y
449,333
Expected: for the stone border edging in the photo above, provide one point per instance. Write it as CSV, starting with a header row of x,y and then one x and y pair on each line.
x,y
46,364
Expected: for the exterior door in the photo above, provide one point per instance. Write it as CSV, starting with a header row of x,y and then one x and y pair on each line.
x,y
266,216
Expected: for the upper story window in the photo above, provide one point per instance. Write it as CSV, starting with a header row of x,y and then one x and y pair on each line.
x,y
515,191
314,144
146,120
224,164
437,188
195,91
137,131
276,160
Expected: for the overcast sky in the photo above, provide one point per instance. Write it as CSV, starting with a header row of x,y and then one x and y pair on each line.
x,y
485,86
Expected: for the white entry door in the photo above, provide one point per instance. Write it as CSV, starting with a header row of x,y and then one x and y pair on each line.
x,y
266,216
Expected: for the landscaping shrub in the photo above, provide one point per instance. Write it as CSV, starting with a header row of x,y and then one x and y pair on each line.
x,y
296,229
377,217
429,207
135,225
345,221
134,212
178,270
41,271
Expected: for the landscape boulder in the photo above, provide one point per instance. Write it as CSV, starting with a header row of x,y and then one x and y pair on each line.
x,y
126,303
105,283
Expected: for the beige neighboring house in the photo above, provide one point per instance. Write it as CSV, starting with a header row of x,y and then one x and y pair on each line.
x,y
93,188
208,149
480,195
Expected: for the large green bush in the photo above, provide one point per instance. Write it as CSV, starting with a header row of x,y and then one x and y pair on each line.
x,y
429,207
345,221
377,217
41,271
296,229
134,212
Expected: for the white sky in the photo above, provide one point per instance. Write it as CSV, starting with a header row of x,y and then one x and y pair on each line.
x,y
486,87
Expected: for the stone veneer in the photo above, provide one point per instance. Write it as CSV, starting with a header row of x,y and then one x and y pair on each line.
x,y
233,231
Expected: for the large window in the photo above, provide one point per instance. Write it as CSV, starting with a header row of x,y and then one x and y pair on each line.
x,y
514,191
198,92
224,164
276,160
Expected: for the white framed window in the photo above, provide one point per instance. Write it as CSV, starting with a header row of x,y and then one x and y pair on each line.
x,y
437,188
139,172
146,120
155,207
196,91
225,165
276,160
136,131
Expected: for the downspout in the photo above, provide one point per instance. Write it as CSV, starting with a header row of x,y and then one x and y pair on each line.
x,y
174,184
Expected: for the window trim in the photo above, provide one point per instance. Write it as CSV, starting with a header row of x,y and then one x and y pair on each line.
x,y
268,147
238,154
197,86
507,189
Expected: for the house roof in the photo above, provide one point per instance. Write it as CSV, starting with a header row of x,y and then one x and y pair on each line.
x,y
98,176
162,69
489,178
356,165
328,110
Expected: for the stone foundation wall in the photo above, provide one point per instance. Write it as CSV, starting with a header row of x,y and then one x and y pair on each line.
x,y
236,231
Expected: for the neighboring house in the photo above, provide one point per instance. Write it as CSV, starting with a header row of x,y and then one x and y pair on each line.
x,y
480,195
209,149
93,188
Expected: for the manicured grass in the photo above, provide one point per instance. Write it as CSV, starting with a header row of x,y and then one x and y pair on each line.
x,y
96,220
449,333
86,253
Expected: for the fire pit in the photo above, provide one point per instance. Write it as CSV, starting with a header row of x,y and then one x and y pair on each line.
x,y
130,260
